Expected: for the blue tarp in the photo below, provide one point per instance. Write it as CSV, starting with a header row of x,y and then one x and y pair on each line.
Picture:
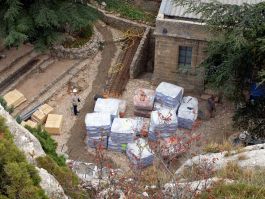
x,y
257,90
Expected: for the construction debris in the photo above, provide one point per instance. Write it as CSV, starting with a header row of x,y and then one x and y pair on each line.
x,y
54,124
14,98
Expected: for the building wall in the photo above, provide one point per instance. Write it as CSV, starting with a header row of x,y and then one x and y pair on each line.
x,y
167,51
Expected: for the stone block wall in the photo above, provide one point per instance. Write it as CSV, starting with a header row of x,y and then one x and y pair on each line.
x,y
140,58
89,49
166,62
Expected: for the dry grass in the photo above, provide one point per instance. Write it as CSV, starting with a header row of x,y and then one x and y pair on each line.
x,y
154,176
216,148
247,184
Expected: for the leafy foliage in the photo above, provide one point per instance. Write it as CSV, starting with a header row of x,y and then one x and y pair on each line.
x,y
236,52
48,144
4,104
65,177
252,118
18,179
42,22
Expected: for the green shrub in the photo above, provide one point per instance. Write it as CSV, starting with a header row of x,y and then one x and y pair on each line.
x,y
251,118
128,10
48,144
4,104
67,179
18,179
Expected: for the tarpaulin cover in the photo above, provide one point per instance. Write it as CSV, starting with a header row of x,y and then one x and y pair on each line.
x,y
257,90
144,99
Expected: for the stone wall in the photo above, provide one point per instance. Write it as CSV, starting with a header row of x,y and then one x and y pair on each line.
x,y
89,49
166,63
118,22
140,58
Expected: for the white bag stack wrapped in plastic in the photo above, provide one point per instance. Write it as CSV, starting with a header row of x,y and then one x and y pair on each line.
x,y
94,142
98,126
158,106
169,94
139,153
109,105
124,130
188,112
164,123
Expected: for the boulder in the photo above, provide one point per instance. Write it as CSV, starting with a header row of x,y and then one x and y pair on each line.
x,y
50,185
23,139
253,157
190,189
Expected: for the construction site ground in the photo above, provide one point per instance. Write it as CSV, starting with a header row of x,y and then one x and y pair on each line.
x,y
90,80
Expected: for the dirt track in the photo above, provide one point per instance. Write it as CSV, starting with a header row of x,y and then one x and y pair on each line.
x,y
75,144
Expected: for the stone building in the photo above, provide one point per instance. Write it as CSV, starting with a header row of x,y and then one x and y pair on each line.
x,y
180,41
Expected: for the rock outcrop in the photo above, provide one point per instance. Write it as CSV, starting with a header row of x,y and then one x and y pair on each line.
x,y
23,139
32,149
248,157
50,185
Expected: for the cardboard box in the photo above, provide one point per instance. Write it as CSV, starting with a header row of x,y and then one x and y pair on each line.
x,y
54,124
41,114
14,98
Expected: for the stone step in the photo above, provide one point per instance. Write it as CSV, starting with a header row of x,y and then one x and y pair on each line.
x,y
13,55
22,65
43,62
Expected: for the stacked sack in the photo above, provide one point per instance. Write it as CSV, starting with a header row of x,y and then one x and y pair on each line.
x,y
188,112
139,153
169,95
98,126
124,131
143,101
108,106
164,123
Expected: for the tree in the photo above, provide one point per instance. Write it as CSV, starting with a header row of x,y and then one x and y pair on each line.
x,y
236,53
41,22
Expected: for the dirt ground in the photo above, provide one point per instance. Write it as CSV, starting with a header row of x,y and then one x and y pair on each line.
x,y
40,80
76,145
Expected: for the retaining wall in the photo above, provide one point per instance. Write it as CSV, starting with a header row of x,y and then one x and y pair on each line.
x,y
89,49
140,58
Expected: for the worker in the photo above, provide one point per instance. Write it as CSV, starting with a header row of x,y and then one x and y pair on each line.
x,y
211,105
75,101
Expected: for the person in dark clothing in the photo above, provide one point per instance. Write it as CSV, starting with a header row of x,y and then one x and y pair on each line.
x,y
211,105
75,101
